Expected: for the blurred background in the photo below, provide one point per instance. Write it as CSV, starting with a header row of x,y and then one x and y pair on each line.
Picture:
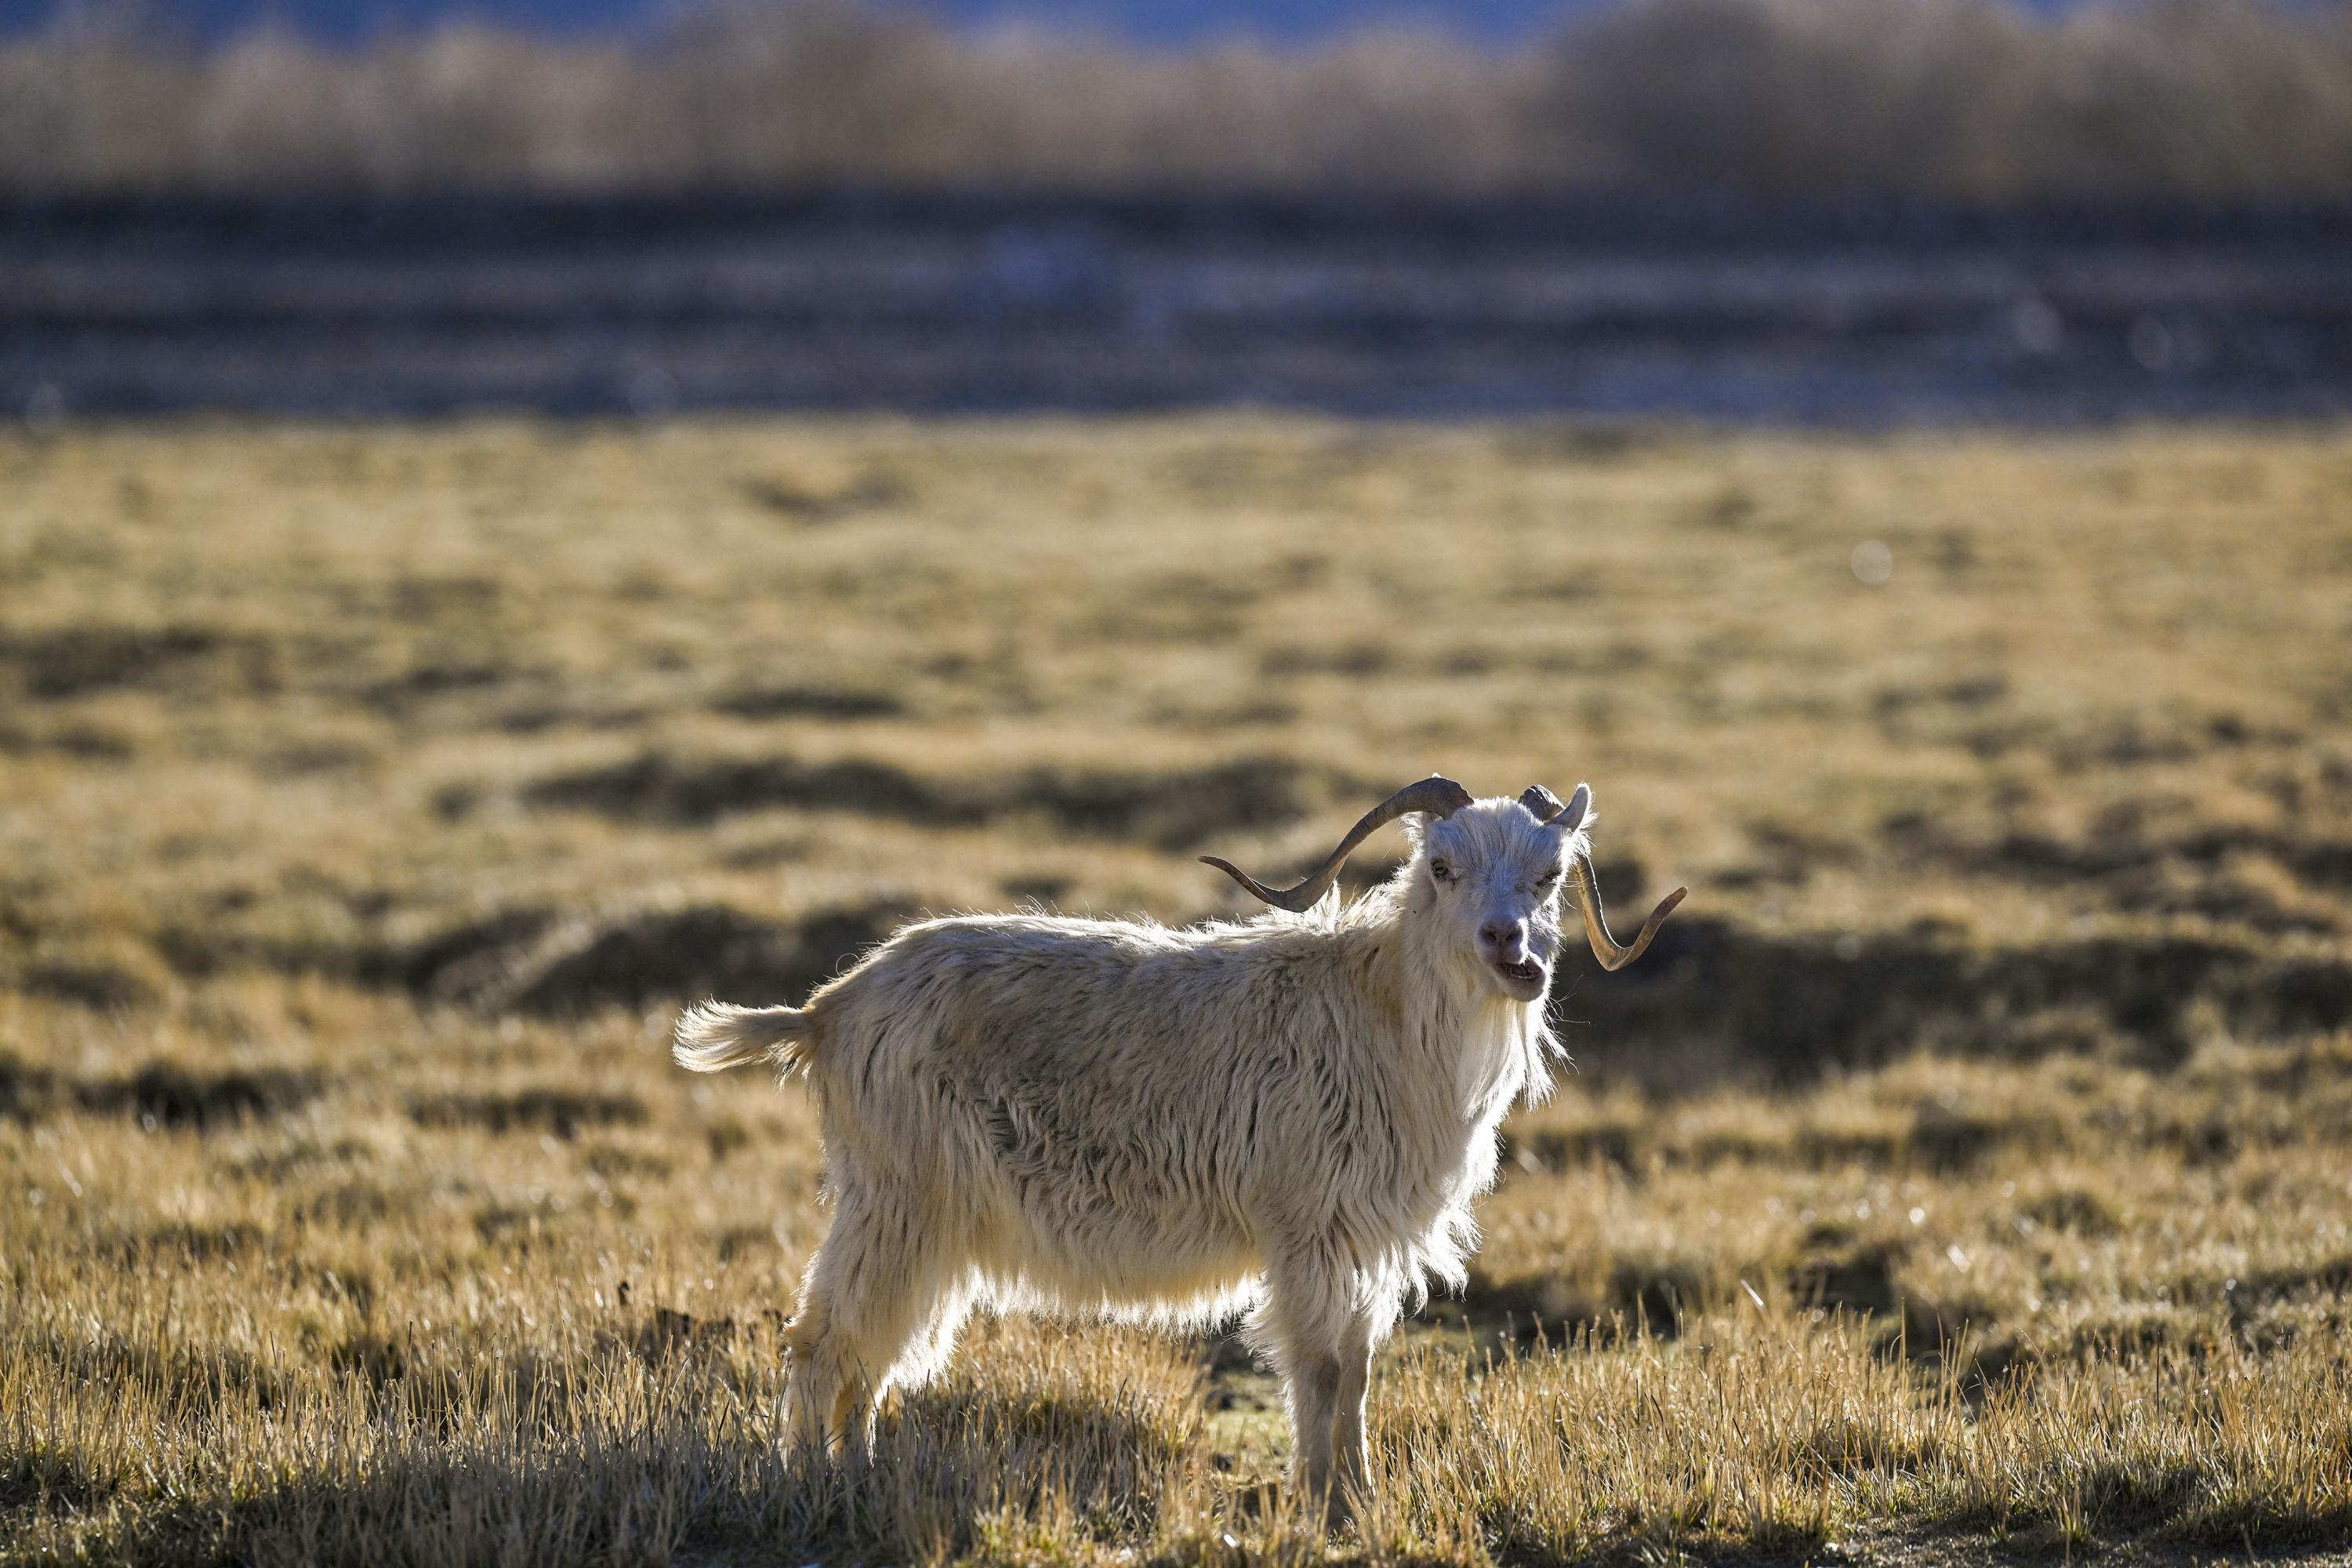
x,y
515,516
1842,211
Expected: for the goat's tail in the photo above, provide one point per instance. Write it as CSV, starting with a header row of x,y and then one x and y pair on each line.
x,y
712,1036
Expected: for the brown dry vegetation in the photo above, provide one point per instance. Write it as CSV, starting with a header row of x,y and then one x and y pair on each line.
x,y
1965,99
1964,1172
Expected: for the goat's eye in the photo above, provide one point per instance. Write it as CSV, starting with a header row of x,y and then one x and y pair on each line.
x,y
1548,878
1441,870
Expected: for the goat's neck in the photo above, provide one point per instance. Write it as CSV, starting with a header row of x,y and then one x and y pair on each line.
x,y
1461,1032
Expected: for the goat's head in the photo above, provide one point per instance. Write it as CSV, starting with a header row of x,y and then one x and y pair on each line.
x,y
1490,872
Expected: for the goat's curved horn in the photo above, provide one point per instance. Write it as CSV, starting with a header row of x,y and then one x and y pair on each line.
x,y
1596,929
1439,796
1545,807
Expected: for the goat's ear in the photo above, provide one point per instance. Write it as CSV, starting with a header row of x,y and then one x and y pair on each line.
x,y
1571,816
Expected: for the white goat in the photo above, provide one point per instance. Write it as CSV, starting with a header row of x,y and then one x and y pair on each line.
x,y
1290,1114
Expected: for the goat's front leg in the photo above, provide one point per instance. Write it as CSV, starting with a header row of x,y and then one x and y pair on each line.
x,y
1315,1380
1352,1480
1305,1324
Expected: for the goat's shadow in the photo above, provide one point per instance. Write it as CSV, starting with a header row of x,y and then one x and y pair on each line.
x,y
1717,999
951,1468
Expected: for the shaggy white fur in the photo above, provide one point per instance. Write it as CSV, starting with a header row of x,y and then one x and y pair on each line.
x,y
1288,1115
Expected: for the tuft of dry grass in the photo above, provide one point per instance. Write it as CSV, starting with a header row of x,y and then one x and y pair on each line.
x,y
1963,1172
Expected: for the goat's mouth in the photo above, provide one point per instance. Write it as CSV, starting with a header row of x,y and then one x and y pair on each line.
x,y
1524,979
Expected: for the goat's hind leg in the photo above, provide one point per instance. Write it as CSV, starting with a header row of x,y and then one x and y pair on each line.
x,y
871,1293
813,1379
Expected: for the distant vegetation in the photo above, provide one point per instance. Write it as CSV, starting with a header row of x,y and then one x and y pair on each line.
x,y
1969,100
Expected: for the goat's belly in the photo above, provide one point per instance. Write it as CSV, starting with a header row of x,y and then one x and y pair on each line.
x,y
1160,1278
1066,1249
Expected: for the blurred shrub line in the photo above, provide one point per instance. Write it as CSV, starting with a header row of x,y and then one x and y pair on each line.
x,y
1954,100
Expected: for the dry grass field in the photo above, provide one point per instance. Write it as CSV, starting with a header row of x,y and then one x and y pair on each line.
x,y
1966,1175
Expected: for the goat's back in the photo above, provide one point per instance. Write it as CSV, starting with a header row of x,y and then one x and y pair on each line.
x,y
1110,1110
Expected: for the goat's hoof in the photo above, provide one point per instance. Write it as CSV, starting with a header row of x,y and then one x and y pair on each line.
x,y
1339,1511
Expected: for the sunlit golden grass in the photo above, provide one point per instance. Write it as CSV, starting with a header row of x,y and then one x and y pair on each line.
x,y
1969,1167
